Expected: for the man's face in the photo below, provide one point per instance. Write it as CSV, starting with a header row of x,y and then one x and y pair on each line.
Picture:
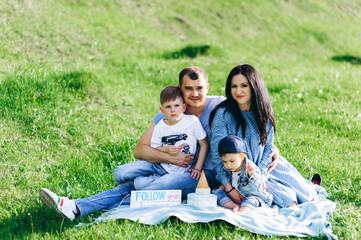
x,y
194,91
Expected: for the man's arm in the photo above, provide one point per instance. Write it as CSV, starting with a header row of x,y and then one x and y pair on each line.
x,y
171,149
144,151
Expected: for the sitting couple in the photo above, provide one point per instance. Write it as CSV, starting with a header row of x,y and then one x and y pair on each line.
x,y
246,112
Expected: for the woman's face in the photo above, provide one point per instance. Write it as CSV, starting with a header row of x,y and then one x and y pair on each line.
x,y
241,92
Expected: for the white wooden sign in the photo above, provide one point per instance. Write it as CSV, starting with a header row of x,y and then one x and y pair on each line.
x,y
155,198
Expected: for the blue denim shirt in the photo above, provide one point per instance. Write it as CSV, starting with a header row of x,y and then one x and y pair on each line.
x,y
251,186
224,124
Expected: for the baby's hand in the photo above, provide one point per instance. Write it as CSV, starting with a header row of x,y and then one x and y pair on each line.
x,y
236,209
263,186
250,170
195,173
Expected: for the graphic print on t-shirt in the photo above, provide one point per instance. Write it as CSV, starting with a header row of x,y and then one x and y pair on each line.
x,y
186,149
174,138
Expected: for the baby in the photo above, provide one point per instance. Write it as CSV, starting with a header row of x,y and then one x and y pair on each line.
x,y
244,176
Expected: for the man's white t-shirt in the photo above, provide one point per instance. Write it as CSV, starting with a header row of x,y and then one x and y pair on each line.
x,y
188,130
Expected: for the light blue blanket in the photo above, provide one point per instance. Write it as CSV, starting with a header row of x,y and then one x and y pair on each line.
x,y
308,219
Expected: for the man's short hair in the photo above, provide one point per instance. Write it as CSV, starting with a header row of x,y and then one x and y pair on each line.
x,y
193,73
170,93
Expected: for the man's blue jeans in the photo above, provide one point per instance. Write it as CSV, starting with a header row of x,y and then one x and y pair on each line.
x,y
105,200
111,198
150,176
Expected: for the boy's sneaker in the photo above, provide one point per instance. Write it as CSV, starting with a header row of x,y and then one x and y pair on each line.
x,y
62,205
316,179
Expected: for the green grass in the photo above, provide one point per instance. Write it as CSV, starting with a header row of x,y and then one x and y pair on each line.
x,y
80,80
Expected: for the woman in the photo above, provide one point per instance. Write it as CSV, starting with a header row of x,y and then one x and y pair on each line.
x,y
247,113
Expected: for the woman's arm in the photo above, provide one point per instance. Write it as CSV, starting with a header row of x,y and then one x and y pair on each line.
x,y
233,193
219,131
268,148
275,159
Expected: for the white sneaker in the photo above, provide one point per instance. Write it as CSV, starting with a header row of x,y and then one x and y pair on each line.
x,y
62,205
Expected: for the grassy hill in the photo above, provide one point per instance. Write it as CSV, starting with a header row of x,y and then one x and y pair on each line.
x,y
80,80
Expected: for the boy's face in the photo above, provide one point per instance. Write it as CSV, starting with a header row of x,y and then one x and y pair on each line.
x,y
233,161
173,110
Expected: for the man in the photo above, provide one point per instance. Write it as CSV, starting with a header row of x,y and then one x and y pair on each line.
x,y
193,82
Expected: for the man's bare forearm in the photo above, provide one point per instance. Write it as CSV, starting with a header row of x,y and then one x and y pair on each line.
x,y
144,151
150,154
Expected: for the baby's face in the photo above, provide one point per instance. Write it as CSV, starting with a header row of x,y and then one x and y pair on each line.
x,y
233,161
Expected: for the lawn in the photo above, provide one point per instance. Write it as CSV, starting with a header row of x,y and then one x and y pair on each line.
x,y
80,83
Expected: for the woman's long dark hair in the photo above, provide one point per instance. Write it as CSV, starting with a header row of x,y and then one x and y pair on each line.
x,y
260,102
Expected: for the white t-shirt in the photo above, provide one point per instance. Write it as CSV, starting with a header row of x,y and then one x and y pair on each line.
x,y
212,102
188,130
235,177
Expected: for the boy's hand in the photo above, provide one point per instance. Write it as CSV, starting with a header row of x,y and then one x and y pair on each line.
x,y
195,173
250,170
174,150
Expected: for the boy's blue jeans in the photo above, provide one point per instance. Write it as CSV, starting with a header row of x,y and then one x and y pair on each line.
x,y
142,172
111,198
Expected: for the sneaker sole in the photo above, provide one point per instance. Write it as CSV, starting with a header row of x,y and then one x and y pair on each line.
x,y
50,203
46,198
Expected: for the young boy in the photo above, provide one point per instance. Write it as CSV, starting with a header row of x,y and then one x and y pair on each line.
x,y
177,132
244,175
